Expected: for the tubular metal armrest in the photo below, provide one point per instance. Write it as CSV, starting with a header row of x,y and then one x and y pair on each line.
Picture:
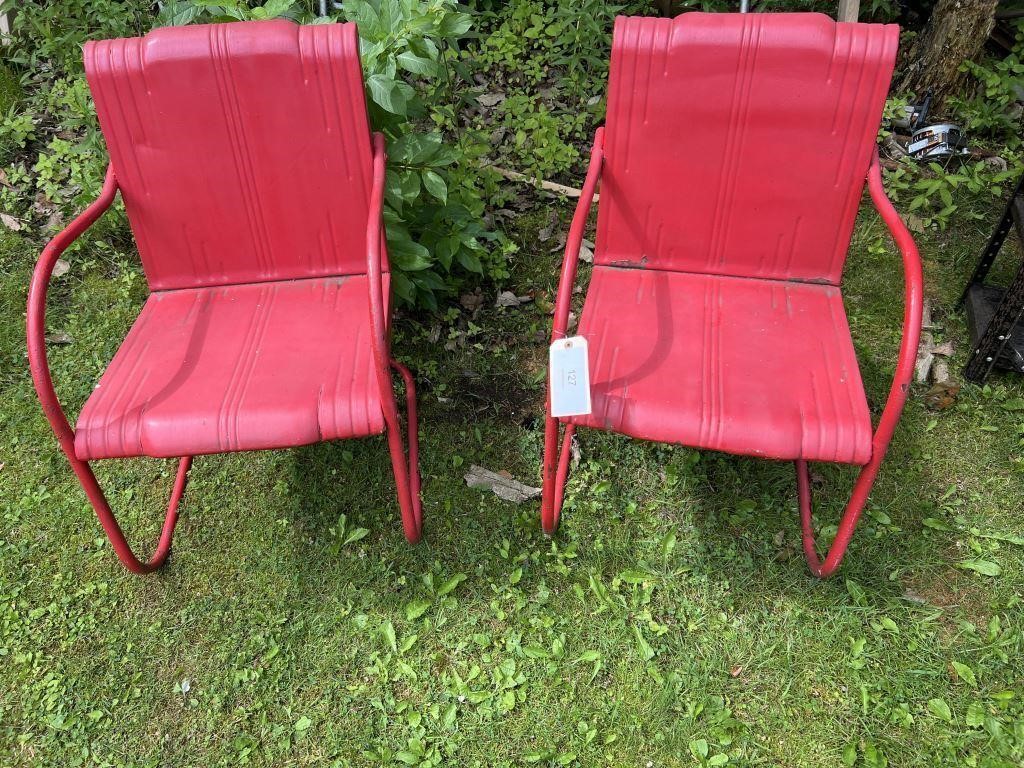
x,y
567,279
551,501
913,289
407,476
43,382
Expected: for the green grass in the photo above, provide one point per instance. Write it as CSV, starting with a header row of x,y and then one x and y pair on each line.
x,y
672,613
10,89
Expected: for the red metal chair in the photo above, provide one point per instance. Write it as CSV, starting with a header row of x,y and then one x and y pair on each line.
x,y
254,189
732,167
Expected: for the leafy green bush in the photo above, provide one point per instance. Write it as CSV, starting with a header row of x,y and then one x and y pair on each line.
x,y
545,60
50,139
932,194
994,110
47,37
434,206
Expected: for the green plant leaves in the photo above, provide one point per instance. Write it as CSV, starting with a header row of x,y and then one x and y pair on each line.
x,y
421,149
178,13
387,631
975,714
406,254
450,584
435,185
365,16
455,25
850,754
432,220
940,709
470,261
272,9
416,608
646,651
965,673
390,94
982,566
417,65
355,535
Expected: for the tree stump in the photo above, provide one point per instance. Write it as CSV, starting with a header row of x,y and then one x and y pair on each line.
x,y
955,33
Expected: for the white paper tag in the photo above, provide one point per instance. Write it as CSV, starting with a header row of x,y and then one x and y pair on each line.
x,y
570,377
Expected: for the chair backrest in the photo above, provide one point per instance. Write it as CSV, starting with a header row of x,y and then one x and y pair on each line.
x,y
242,150
738,144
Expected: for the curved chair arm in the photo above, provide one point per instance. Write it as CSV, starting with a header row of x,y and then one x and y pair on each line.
x,y
374,241
572,244
913,288
406,467
37,310
36,337
556,460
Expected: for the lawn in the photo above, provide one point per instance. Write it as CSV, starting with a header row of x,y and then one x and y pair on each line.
x,y
670,622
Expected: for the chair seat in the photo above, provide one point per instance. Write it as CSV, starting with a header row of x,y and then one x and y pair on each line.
x,y
748,366
238,368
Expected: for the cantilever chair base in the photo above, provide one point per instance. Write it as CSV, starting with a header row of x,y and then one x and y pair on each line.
x,y
714,311
267,323
405,467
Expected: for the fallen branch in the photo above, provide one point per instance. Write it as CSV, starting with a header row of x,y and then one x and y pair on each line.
x,y
504,485
550,186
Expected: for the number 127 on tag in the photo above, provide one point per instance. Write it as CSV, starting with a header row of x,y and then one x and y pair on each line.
x,y
570,377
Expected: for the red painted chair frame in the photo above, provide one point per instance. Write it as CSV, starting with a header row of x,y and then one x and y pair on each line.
x,y
406,467
556,458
